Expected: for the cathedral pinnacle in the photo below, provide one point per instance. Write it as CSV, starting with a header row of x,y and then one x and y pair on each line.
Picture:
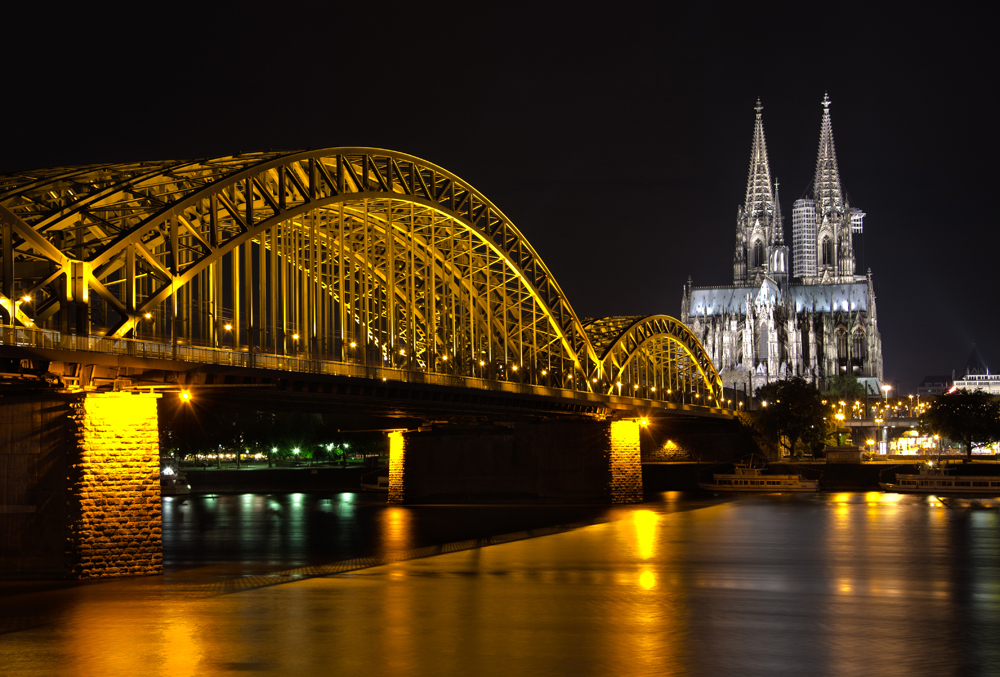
x,y
755,220
826,184
759,200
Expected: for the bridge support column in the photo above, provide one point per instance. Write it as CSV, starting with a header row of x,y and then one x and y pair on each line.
x,y
115,489
79,485
397,462
571,462
626,465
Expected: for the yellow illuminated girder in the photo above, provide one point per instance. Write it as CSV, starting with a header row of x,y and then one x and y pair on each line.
x,y
353,254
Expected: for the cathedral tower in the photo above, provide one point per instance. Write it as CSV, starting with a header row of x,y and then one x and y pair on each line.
x,y
760,250
823,226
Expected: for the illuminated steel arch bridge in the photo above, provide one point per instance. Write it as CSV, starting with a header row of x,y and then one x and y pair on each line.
x,y
353,259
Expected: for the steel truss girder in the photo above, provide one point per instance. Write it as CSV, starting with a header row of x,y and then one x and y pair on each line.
x,y
629,339
155,238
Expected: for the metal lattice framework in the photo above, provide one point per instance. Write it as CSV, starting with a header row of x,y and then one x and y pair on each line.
x,y
649,355
350,254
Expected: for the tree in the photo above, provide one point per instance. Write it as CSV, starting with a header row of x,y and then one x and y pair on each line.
x,y
792,412
972,418
846,386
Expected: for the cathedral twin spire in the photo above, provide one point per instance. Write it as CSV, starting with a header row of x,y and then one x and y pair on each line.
x,y
822,227
760,199
758,231
826,184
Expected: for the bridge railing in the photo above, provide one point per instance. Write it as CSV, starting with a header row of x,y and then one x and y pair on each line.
x,y
53,340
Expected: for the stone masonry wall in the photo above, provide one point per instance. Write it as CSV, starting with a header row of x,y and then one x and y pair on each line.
x,y
626,466
397,462
114,505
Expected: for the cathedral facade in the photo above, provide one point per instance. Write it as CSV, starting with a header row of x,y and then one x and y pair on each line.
x,y
808,315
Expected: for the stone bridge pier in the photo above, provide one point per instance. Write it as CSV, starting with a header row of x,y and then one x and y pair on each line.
x,y
558,462
79,485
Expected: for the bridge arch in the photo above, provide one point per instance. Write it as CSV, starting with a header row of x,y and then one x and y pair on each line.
x,y
653,356
345,253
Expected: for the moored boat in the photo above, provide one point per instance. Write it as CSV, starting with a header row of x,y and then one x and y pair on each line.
x,y
747,479
931,480
173,482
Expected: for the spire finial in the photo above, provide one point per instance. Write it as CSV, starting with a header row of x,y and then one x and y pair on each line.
x,y
825,102
758,107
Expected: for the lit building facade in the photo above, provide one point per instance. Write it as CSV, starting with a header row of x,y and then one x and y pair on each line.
x,y
978,376
812,316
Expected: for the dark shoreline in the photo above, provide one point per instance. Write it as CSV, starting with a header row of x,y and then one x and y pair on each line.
x,y
656,477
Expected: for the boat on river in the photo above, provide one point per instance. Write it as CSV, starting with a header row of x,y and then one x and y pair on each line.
x,y
747,479
931,480
173,482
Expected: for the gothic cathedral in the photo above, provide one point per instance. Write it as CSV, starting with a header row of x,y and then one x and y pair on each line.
x,y
815,318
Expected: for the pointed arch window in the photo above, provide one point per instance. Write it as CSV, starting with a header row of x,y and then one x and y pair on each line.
x,y
827,251
858,345
842,344
757,260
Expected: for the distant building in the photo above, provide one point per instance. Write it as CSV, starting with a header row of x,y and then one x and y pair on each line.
x,y
978,376
935,385
812,316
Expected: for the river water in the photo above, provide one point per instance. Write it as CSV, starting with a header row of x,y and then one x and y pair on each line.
x,y
829,584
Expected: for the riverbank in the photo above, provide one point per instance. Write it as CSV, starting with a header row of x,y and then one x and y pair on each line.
x,y
277,480
656,477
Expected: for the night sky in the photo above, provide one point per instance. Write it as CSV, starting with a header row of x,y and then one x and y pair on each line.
x,y
615,136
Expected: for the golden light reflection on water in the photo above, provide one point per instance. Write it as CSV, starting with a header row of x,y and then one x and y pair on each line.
x,y
180,641
645,531
397,531
744,587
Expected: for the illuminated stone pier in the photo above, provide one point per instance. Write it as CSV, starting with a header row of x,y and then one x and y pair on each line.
x,y
81,491
572,462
